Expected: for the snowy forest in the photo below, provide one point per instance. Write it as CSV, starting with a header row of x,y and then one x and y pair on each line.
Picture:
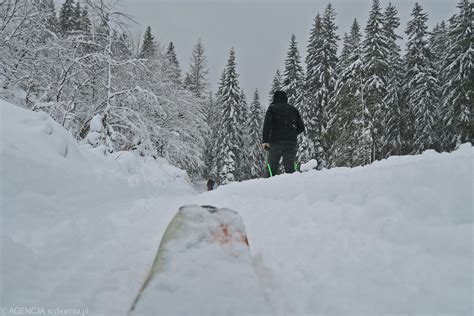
x,y
362,97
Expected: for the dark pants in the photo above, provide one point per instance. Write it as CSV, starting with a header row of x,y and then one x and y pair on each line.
x,y
285,150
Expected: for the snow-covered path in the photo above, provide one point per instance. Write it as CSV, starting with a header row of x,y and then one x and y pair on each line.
x,y
80,231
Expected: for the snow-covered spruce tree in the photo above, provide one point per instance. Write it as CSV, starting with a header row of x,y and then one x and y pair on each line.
x,y
376,70
459,82
352,146
255,125
149,48
174,64
293,80
421,84
212,118
393,138
67,17
439,44
213,164
245,160
277,84
343,64
76,20
310,143
84,22
293,85
196,78
321,80
229,138
187,81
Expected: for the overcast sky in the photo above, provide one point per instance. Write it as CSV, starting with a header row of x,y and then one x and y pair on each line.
x,y
259,30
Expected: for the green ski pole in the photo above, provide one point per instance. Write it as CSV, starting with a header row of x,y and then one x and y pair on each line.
x,y
267,164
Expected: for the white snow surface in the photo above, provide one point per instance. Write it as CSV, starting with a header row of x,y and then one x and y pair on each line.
x,y
310,165
80,230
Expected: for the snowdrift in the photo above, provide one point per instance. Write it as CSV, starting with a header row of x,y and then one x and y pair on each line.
x,y
76,227
80,230
395,237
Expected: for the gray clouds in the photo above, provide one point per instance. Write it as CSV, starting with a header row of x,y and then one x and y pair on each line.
x,y
259,30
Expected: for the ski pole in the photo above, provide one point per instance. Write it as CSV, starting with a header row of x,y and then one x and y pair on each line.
x,y
267,164
296,166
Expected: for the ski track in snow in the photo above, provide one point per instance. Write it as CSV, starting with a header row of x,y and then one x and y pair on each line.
x,y
79,230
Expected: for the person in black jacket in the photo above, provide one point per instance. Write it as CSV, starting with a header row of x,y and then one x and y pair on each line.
x,y
282,125
210,185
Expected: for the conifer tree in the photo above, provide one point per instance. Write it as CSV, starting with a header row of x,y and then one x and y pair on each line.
x,y
375,84
244,161
255,125
277,84
149,47
324,77
209,153
214,125
393,137
187,81
351,144
421,84
76,20
198,81
85,22
175,70
458,88
293,82
67,17
311,112
439,45
344,57
229,138
293,85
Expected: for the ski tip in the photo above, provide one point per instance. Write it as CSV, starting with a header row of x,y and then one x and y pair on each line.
x,y
210,208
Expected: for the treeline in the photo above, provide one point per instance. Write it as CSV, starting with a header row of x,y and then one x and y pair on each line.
x,y
367,103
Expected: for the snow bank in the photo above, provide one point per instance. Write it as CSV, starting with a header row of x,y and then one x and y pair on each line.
x,y
395,237
76,228
80,230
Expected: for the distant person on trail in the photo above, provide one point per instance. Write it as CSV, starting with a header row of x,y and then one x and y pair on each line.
x,y
210,185
282,124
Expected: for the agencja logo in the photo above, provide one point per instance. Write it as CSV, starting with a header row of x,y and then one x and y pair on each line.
x,y
46,311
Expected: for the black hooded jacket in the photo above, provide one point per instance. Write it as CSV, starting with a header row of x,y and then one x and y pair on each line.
x,y
282,123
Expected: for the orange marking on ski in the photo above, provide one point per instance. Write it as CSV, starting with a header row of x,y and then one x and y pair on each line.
x,y
225,230
224,236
